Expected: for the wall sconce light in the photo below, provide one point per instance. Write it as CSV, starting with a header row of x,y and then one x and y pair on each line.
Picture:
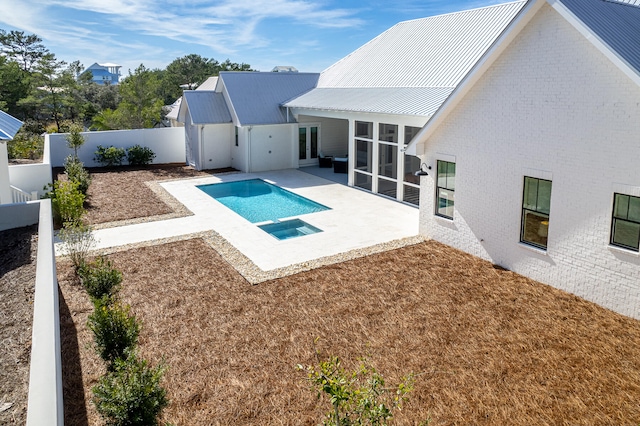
x,y
423,170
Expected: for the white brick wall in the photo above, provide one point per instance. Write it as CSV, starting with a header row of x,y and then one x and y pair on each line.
x,y
551,105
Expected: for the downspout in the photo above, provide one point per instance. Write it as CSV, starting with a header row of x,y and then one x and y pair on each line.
x,y
249,163
201,145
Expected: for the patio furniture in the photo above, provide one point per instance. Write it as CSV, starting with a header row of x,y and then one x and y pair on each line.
x,y
325,162
340,164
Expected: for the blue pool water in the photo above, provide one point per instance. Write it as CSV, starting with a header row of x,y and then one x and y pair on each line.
x,y
289,229
260,201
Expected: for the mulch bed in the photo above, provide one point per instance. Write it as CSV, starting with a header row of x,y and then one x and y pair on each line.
x,y
120,193
18,248
490,346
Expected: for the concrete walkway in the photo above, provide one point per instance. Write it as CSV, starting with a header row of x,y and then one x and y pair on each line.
x,y
357,219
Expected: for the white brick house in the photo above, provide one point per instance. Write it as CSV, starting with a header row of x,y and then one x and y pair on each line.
x,y
556,104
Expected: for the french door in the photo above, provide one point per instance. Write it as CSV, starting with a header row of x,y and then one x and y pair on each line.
x,y
309,145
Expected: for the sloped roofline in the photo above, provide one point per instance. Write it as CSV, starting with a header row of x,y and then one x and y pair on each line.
x,y
416,147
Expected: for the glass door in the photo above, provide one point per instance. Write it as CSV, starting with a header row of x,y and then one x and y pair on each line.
x,y
308,142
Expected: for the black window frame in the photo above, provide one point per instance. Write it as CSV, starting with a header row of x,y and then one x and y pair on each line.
x,y
446,188
535,211
615,219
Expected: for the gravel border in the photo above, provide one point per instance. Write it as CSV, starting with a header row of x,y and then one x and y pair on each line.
x,y
250,271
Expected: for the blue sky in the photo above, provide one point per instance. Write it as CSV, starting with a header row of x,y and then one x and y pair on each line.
x,y
308,34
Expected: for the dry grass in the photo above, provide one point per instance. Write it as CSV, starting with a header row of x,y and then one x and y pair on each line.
x,y
492,347
17,280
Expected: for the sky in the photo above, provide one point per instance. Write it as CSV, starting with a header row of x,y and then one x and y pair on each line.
x,y
307,34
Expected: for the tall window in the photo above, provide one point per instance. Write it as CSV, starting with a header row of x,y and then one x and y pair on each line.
x,y
625,226
445,190
536,201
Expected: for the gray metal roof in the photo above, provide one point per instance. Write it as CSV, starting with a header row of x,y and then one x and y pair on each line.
x,y
256,97
9,126
206,107
209,84
431,52
616,24
422,101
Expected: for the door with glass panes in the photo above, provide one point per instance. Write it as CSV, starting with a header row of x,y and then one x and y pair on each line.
x,y
309,145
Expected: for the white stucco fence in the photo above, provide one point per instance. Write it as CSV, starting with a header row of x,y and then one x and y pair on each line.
x,y
167,143
45,404
32,177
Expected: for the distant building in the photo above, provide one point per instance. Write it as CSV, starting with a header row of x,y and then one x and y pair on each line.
x,y
284,69
104,73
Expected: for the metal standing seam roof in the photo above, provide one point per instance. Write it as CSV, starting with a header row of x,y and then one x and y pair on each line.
x,y
206,107
420,101
256,97
430,52
616,23
209,84
412,67
9,126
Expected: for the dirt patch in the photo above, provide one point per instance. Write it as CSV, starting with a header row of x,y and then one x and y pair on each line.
x,y
18,248
122,193
490,346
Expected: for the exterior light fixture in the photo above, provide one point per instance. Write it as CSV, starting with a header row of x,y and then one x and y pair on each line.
x,y
423,170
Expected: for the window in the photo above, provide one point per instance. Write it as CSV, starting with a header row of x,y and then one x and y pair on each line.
x,y
625,226
446,185
364,129
536,201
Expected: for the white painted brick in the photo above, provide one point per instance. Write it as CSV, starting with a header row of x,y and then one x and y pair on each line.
x,y
551,102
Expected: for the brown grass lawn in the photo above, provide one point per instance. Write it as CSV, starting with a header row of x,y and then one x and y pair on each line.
x,y
490,347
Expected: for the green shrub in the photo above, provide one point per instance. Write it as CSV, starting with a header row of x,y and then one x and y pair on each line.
x,y
100,278
115,329
359,397
66,202
140,156
110,156
131,394
77,241
76,172
27,146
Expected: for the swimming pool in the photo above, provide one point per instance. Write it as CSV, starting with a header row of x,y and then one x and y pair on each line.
x,y
259,201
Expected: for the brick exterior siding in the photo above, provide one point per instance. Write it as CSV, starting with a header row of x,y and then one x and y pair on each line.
x,y
554,107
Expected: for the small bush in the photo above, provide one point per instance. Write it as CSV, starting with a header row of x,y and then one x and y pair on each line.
x,y
27,146
359,397
77,173
131,394
110,156
74,139
115,330
66,202
140,156
77,242
100,278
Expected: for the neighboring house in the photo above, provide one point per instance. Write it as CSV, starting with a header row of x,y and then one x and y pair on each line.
x,y
366,107
540,144
104,73
9,126
241,123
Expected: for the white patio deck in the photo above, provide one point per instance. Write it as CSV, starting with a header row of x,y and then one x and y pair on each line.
x,y
357,220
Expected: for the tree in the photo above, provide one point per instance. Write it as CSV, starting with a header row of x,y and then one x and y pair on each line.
x,y
50,96
190,71
27,50
141,107
15,86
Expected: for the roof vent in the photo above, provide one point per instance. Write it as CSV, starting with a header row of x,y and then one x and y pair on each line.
x,y
635,3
